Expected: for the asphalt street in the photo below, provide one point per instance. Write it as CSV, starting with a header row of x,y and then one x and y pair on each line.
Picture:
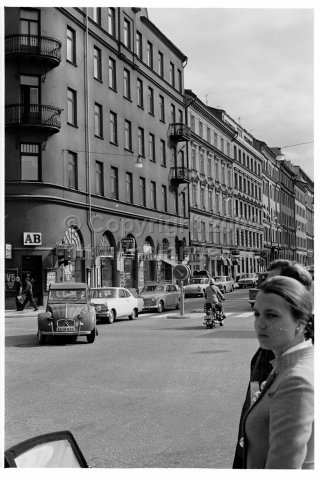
x,y
153,392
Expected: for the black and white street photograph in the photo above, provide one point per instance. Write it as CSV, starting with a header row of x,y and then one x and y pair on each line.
x,y
158,237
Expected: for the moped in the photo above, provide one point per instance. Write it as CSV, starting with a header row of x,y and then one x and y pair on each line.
x,y
213,315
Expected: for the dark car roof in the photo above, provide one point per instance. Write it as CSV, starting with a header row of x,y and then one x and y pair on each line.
x,y
68,285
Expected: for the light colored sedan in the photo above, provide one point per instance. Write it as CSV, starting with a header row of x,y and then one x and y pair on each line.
x,y
196,287
114,302
248,280
226,284
158,297
136,294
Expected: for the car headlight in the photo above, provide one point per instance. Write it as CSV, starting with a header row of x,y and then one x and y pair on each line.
x,y
98,308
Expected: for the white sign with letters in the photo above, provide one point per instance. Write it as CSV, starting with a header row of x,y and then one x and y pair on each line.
x,y
32,238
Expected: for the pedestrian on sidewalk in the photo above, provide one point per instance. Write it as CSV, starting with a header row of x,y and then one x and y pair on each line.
x,y
18,289
29,295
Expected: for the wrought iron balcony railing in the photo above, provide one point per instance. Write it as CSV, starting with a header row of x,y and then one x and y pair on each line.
x,y
180,175
46,48
180,132
43,116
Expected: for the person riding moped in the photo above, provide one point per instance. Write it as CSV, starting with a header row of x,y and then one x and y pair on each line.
x,y
214,296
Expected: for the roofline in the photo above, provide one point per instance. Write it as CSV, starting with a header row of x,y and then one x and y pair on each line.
x,y
162,37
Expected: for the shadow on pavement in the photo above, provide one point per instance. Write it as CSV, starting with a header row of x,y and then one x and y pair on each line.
x,y
31,341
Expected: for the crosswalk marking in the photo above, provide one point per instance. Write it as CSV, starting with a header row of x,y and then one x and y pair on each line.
x,y
229,314
241,315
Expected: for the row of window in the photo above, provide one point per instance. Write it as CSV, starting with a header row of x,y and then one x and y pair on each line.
x,y
211,137
248,162
211,168
175,75
246,186
247,211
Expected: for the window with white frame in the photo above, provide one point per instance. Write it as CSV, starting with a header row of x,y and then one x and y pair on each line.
x,y
113,128
30,161
111,21
97,70
112,74
114,190
139,93
139,45
126,84
71,45
127,33
161,106
150,100
152,149
172,76
160,64
150,54
99,178
98,126
141,141
127,135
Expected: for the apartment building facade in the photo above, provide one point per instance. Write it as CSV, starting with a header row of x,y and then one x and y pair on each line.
x,y
94,122
212,232
271,204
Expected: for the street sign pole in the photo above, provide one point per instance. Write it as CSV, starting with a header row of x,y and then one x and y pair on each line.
x,y
181,298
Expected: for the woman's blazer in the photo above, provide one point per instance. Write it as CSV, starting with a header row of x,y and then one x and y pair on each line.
x,y
278,427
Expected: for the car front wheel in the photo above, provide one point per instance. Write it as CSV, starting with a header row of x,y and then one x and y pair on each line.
x,y
112,316
160,307
41,338
134,314
91,337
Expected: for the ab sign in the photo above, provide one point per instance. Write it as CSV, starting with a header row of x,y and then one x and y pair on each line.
x,y
32,238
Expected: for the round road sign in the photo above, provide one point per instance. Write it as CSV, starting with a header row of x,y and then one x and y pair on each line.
x,y
181,272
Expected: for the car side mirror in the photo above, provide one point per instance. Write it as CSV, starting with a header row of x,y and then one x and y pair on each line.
x,y
51,450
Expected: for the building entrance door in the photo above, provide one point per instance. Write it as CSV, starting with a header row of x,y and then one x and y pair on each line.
x,y
32,268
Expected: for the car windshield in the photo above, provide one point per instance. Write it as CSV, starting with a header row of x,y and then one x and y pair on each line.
x,y
199,280
152,288
68,296
105,293
220,279
248,275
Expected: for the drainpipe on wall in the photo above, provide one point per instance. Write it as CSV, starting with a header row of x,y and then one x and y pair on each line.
x,y
87,145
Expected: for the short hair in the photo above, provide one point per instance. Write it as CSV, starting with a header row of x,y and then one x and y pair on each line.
x,y
297,297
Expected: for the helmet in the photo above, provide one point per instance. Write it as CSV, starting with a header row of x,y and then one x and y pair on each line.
x,y
211,281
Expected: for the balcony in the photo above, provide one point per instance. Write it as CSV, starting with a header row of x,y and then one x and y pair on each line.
x,y
179,132
180,175
39,116
42,49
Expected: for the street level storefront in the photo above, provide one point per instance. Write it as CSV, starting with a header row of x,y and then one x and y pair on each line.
x,y
62,248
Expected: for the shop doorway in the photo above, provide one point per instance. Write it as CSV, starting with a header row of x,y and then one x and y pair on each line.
x,y
32,269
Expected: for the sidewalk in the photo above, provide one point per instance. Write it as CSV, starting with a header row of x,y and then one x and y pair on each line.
x,y
27,312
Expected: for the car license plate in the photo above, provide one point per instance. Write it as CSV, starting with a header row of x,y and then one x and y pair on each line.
x,y
66,329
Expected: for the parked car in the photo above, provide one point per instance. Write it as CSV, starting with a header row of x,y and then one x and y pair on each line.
x,y
196,287
114,302
69,313
253,291
226,284
137,295
248,280
160,297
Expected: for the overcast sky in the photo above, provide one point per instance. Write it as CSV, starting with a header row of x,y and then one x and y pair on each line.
x,y
256,64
